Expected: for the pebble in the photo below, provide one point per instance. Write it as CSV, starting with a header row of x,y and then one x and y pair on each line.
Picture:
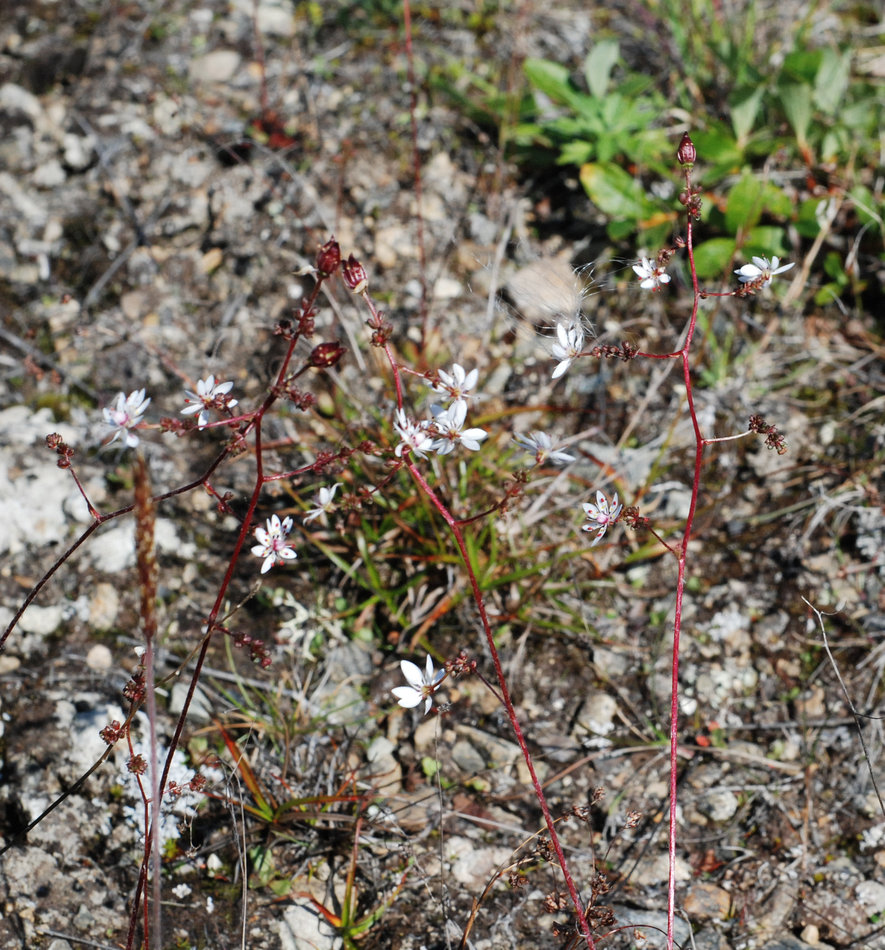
x,y
220,65
706,901
302,928
99,658
872,895
718,806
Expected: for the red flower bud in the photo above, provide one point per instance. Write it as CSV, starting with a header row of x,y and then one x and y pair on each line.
x,y
327,354
328,258
686,154
355,275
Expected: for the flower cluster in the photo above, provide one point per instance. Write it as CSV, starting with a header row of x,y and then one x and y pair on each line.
x,y
125,415
445,430
543,448
651,274
209,395
761,270
568,346
457,384
601,515
273,545
753,276
422,685
324,503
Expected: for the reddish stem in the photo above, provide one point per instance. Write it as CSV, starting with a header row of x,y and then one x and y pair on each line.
x,y
685,354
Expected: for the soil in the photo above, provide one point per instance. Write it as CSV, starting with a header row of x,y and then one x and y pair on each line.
x,y
166,178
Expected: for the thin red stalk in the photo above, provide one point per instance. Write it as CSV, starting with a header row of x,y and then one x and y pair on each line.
x,y
253,426
455,528
680,583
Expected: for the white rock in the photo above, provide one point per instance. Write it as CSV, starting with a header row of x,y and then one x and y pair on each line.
x,y
472,866
31,209
654,870
78,150
718,805
220,65
49,174
99,658
872,895
41,620
302,928
15,98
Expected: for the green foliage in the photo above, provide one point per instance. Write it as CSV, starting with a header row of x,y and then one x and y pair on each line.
x,y
610,122
750,200
753,99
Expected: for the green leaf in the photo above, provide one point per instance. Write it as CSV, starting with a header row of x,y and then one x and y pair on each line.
x,y
745,204
598,66
827,294
835,267
868,211
576,153
614,192
807,223
712,258
802,65
717,145
744,110
262,864
552,79
796,100
831,81
766,241
776,201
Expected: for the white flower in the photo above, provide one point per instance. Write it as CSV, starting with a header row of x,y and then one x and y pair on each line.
x,y
272,544
324,503
543,448
209,395
181,891
761,269
456,386
422,685
601,515
651,275
126,414
570,343
414,435
449,426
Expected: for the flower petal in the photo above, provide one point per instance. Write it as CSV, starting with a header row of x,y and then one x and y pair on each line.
x,y
406,696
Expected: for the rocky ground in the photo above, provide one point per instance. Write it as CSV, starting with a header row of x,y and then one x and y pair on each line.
x,y
158,206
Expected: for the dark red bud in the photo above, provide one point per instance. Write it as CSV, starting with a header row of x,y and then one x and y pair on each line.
x,y
328,258
686,154
355,275
327,354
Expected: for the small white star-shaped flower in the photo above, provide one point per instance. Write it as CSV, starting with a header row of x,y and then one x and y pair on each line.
x,y
414,435
570,342
601,515
456,385
449,426
126,413
543,448
650,274
324,503
272,544
761,269
209,395
422,685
